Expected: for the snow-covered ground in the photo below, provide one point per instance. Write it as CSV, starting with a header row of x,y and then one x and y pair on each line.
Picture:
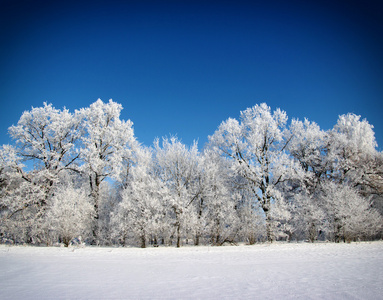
x,y
276,271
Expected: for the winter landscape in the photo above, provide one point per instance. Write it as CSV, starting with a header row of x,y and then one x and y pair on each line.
x,y
296,210
237,159
265,271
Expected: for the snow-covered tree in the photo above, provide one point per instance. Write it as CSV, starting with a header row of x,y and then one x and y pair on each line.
x,y
177,166
22,212
351,147
257,145
142,210
350,215
47,137
308,147
10,167
280,217
308,217
252,225
216,205
70,214
108,148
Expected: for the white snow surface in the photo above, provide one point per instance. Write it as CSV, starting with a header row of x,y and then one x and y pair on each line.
x,y
265,271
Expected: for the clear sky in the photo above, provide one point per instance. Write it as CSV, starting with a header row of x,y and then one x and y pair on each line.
x,y
182,67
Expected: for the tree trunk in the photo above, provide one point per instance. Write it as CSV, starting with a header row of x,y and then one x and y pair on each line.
x,y
312,232
95,191
178,235
269,232
143,241
196,242
266,210
66,241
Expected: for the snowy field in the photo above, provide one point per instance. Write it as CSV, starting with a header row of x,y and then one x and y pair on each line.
x,y
276,271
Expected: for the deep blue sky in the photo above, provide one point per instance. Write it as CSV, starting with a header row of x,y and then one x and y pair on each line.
x,y
182,67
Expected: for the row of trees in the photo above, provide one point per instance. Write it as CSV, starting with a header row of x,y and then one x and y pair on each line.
x,y
259,178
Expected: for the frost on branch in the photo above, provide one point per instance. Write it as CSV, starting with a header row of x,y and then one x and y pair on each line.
x,y
48,137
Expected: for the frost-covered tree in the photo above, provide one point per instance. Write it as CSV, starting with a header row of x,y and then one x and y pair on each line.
x,y
216,205
256,145
177,166
47,137
10,167
373,181
308,147
350,215
22,212
142,209
352,151
345,154
344,157
108,148
308,217
280,219
70,214
252,225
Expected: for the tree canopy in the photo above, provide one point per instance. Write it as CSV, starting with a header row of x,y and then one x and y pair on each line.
x,y
259,178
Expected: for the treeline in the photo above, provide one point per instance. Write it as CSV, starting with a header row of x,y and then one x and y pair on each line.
x,y
259,178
